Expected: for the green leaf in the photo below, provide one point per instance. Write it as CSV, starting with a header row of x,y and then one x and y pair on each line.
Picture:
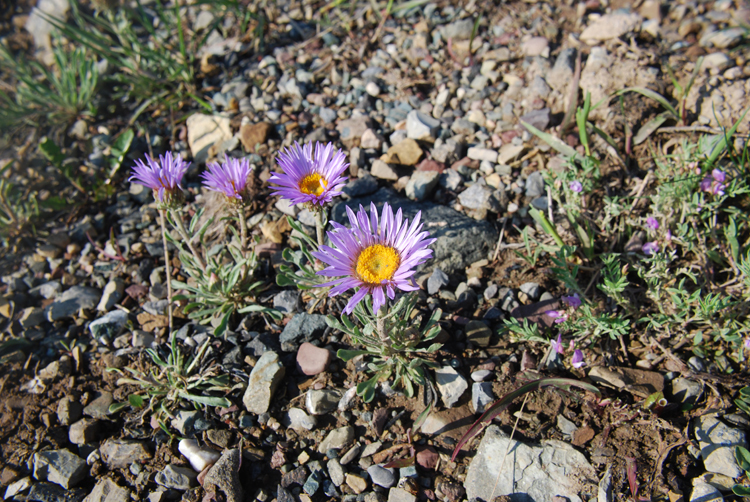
x,y
652,95
500,405
52,152
722,144
366,389
743,458
346,355
135,401
115,407
222,327
741,490
207,400
649,128
552,141
743,405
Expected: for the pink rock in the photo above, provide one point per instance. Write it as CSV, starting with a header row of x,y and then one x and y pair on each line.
x,y
428,457
312,360
431,165
534,46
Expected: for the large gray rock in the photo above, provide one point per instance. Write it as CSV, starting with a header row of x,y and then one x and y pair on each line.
x,y
264,379
530,473
302,328
177,477
461,240
717,442
337,439
420,126
59,466
71,301
107,490
422,184
478,200
117,453
451,385
224,476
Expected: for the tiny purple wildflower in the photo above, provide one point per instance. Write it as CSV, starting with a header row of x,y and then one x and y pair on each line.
x,y
375,255
576,186
573,301
558,315
719,176
164,176
230,178
652,223
650,248
577,359
747,343
705,185
557,345
714,184
310,178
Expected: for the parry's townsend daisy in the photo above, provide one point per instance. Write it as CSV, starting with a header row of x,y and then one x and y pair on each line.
x,y
375,255
163,177
229,178
310,178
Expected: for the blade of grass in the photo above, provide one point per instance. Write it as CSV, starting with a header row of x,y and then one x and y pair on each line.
x,y
652,95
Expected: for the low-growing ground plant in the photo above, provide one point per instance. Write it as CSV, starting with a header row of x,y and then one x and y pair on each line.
x,y
48,95
679,270
174,378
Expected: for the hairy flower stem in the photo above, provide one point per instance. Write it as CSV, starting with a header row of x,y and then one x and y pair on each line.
x,y
167,267
380,326
183,233
243,229
319,226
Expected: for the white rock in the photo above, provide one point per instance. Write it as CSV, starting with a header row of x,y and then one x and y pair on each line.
x,y
477,153
372,89
451,385
111,295
540,472
286,207
264,379
199,458
717,442
40,28
204,131
705,492
383,171
610,26
299,420
420,126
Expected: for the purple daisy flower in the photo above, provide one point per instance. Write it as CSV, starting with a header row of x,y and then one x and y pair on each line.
x,y
163,176
375,256
558,315
650,248
577,359
557,345
307,178
573,301
230,178
576,186
652,223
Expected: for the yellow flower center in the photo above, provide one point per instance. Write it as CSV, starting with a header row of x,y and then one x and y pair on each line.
x,y
377,263
313,184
